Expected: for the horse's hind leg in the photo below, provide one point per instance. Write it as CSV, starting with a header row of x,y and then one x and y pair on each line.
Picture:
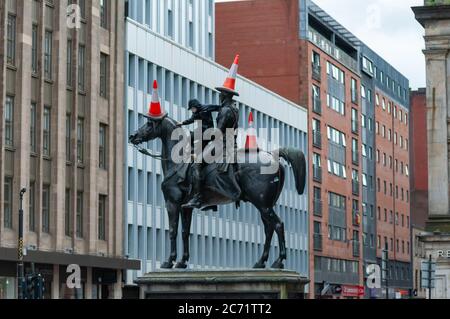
x,y
279,229
173,211
268,229
186,218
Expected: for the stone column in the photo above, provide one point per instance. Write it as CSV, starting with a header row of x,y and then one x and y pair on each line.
x,y
435,18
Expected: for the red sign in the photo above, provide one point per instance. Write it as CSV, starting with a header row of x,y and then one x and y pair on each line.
x,y
352,291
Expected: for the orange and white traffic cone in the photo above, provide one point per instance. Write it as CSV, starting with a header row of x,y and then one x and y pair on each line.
x,y
155,111
251,143
230,82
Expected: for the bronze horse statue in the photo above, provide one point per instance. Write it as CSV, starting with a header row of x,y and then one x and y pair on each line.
x,y
262,190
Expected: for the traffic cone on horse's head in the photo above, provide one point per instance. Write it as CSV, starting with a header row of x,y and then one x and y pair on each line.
x,y
230,82
250,141
155,111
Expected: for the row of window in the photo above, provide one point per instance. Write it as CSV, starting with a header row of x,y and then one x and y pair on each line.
x,y
404,168
405,249
45,212
404,219
335,265
402,116
142,12
46,133
48,53
403,143
398,194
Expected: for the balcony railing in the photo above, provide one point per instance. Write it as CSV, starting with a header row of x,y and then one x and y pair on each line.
x,y
327,46
317,105
356,218
354,96
317,207
355,157
355,188
356,248
317,242
317,139
355,126
317,173
316,72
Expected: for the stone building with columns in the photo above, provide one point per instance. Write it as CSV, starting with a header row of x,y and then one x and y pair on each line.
x,y
434,16
61,137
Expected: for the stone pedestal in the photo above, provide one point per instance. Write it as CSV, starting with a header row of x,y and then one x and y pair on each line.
x,y
435,18
222,284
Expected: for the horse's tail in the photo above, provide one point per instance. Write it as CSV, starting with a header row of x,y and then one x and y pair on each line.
x,y
297,160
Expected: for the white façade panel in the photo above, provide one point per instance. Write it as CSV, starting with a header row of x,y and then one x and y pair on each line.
x,y
130,213
210,74
139,214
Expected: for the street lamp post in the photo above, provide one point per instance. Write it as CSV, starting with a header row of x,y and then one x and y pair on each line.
x,y
20,267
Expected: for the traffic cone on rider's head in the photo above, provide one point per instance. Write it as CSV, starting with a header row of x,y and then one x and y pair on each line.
x,y
155,111
230,82
250,142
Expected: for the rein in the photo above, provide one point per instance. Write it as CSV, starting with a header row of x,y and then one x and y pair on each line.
x,y
146,152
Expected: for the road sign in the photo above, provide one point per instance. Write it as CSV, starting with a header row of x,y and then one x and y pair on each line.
x,y
428,272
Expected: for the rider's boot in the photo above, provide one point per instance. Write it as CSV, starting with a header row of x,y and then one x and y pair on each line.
x,y
196,201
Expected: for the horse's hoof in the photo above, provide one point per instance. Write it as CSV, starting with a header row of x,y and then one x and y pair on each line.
x,y
277,265
166,265
181,265
259,265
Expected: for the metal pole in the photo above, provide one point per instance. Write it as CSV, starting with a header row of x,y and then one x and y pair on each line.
x,y
20,268
386,247
429,277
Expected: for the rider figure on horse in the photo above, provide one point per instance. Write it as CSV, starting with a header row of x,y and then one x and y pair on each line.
x,y
228,118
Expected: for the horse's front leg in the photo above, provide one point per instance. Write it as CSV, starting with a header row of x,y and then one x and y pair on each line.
x,y
186,219
173,212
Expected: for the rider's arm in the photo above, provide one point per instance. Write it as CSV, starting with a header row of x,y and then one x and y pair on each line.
x,y
189,121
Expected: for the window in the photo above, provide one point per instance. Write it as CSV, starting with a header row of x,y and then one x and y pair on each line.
x,y
67,217
31,210
363,91
336,73
336,104
48,55
102,147
337,223
367,66
68,137
7,204
82,4
69,63
383,104
9,121
103,75
11,40
170,23
80,140
46,131
354,91
79,216
34,48
383,131
81,67
33,127
104,14
46,209
377,99
102,217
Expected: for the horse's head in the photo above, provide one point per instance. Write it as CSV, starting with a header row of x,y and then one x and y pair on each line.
x,y
149,131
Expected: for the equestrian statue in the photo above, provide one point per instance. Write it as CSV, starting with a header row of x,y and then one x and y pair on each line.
x,y
198,185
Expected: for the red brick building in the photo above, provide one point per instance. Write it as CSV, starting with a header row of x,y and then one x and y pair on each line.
x,y
306,56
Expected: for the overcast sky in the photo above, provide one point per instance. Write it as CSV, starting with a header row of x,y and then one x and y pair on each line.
x,y
388,27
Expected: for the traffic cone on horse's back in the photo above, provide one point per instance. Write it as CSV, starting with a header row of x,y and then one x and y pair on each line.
x,y
155,111
230,83
250,141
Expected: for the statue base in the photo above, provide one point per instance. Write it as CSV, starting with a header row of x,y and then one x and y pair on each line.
x,y
222,284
